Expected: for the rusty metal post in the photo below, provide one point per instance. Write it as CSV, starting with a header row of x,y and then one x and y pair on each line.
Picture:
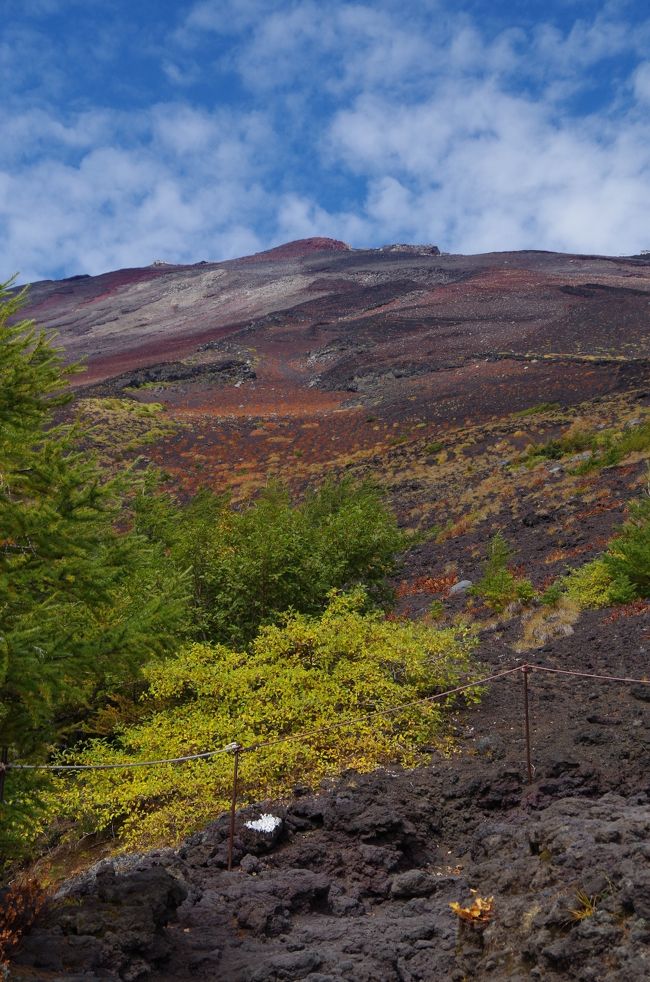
x,y
525,670
4,760
236,750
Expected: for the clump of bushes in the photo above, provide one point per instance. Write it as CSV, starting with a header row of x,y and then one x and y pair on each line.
x,y
608,447
576,442
127,424
247,566
611,447
307,673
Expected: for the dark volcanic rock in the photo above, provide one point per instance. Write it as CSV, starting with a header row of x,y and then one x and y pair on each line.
x,y
107,926
362,892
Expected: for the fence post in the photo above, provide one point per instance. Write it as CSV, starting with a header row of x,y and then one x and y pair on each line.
x,y
4,760
525,670
236,750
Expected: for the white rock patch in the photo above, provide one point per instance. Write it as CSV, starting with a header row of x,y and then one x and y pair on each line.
x,y
265,823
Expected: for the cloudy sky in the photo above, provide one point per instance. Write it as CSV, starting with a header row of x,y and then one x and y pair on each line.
x,y
133,131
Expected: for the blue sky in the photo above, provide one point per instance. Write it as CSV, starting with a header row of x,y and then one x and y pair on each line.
x,y
187,131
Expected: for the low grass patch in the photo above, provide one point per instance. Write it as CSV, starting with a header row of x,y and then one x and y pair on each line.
x,y
123,425
541,407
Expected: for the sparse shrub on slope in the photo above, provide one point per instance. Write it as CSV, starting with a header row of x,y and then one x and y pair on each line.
x,y
499,586
629,553
622,573
607,447
118,426
302,675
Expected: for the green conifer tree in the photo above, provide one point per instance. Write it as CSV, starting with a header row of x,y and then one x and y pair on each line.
x,y
82,602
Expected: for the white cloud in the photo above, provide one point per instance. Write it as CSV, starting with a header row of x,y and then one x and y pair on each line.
x,y
184,186
352,120
641,82
476,168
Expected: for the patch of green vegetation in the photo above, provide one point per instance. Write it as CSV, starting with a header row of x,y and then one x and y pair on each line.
x,y
299,675
611,447
415,537
499,586
628,555
144,387
541,407
250,565
436,610
434,447
607,447
576,442
595,585
618,576
553,594
114,426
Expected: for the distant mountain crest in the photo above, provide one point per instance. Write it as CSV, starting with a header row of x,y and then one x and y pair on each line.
x,y
425,249
301,247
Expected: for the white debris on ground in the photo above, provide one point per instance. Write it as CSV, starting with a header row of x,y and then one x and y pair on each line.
x,y
265,823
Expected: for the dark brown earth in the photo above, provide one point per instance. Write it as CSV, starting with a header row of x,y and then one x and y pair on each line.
x,y
412,369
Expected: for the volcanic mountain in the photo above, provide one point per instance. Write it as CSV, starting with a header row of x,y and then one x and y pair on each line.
x,y
497,393
332,352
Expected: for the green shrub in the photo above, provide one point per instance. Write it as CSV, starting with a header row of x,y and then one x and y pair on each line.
x,y
305,674
553,594
248,566
499,586
611,447
541,407
595,585
436,610
628,555
575,442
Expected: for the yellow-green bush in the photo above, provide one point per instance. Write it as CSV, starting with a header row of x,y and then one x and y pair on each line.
x,y
594,585
123,423
306,674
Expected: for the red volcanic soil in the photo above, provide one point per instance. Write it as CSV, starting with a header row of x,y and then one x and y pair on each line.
x,y
299,248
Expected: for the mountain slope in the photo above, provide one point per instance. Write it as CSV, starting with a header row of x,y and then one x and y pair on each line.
x,y
299,347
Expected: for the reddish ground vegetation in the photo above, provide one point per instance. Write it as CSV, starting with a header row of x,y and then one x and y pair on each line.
x,y
20,904
434,585
298,249
635,609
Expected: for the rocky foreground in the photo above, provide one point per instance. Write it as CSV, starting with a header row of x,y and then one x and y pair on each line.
x,y
352,882
354,885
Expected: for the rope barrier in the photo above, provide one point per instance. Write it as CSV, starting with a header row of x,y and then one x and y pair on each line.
x,y
108,767
349,721
586,675
236,749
